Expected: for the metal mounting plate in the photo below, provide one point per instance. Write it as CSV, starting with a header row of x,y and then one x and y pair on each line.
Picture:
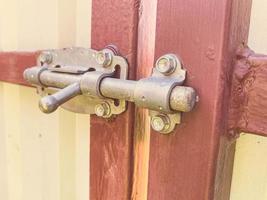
x,y
80,61
165,122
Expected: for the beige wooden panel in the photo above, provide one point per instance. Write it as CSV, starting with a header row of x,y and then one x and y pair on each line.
x,y
12,142
250,166
42,156
250,169
3,157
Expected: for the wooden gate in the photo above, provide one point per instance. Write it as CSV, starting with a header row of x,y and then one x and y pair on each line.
x,y
127,159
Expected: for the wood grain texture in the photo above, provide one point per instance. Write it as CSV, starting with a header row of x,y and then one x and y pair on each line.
x,y
145,61
196,161
113,22
248,110
12,65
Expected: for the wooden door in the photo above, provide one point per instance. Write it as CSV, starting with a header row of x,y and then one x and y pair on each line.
x,y
127,159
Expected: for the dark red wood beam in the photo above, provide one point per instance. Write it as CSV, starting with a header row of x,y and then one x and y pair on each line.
x,y
248,110
111,157
196,161
12,65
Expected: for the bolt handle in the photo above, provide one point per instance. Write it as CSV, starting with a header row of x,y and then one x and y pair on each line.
x,y
49,104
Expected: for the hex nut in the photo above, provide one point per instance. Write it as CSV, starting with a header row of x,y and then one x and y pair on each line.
x,y
102,110
166,64
160,123
104,57
45,58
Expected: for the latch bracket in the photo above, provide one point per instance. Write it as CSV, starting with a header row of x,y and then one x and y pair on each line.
x,y
88,67
95,82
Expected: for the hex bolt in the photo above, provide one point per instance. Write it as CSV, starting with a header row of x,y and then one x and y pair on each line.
x,y
102,110
46,57
167,64
160,123
104,57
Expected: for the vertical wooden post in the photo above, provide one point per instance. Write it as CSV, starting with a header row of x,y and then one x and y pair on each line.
x,y
113,22
196,161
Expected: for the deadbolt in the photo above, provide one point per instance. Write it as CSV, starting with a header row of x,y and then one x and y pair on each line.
x,y
95,82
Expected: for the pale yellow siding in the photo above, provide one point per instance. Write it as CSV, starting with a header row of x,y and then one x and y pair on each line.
x,y
42,157
250,166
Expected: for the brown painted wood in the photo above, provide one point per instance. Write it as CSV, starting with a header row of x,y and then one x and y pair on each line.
x,y
12,65
248,110
196,161
113,22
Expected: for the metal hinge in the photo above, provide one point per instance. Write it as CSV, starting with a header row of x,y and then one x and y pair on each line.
x,y
95,82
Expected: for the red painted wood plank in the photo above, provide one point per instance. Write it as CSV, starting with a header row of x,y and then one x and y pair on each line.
x,y
248,110
195,162
12,65
113,22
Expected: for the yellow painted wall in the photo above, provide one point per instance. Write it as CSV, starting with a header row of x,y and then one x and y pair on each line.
x,y
42,157
250,166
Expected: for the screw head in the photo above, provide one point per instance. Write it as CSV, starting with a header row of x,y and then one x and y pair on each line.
x,y
45,58
104,57
160,123
102,110
166,64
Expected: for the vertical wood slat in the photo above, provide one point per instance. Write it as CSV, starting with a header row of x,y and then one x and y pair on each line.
x,y
13,142
48,154
145,61
9,25
3,154
113,22
195,162
39,147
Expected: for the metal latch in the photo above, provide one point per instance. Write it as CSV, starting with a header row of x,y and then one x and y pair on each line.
x,y
95,82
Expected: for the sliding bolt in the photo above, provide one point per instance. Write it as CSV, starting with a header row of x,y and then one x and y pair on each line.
x,y
166,64
102,110
104,57
160,123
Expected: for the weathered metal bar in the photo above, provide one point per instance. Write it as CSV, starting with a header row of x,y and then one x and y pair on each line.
x,y
181,99
112,88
